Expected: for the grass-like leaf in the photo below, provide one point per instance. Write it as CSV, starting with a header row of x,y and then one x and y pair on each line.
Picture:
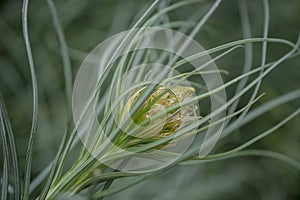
x,y
251,152
7,126
35,101
5,177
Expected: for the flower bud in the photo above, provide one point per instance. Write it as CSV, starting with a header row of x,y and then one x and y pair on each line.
x,y
162,98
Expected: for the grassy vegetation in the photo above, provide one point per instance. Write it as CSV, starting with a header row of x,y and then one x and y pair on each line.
x,y
255,45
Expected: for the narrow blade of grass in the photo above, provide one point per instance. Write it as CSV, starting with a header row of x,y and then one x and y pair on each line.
x,y
264,51
35,101
58,163
17,183
5,176
252,152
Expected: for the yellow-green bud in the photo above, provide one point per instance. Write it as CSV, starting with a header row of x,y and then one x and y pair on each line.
x,y
162,98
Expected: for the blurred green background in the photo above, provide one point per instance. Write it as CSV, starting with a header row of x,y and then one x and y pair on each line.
x,y
88,22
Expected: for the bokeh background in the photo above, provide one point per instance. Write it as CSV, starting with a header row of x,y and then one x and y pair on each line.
x,y
88,22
